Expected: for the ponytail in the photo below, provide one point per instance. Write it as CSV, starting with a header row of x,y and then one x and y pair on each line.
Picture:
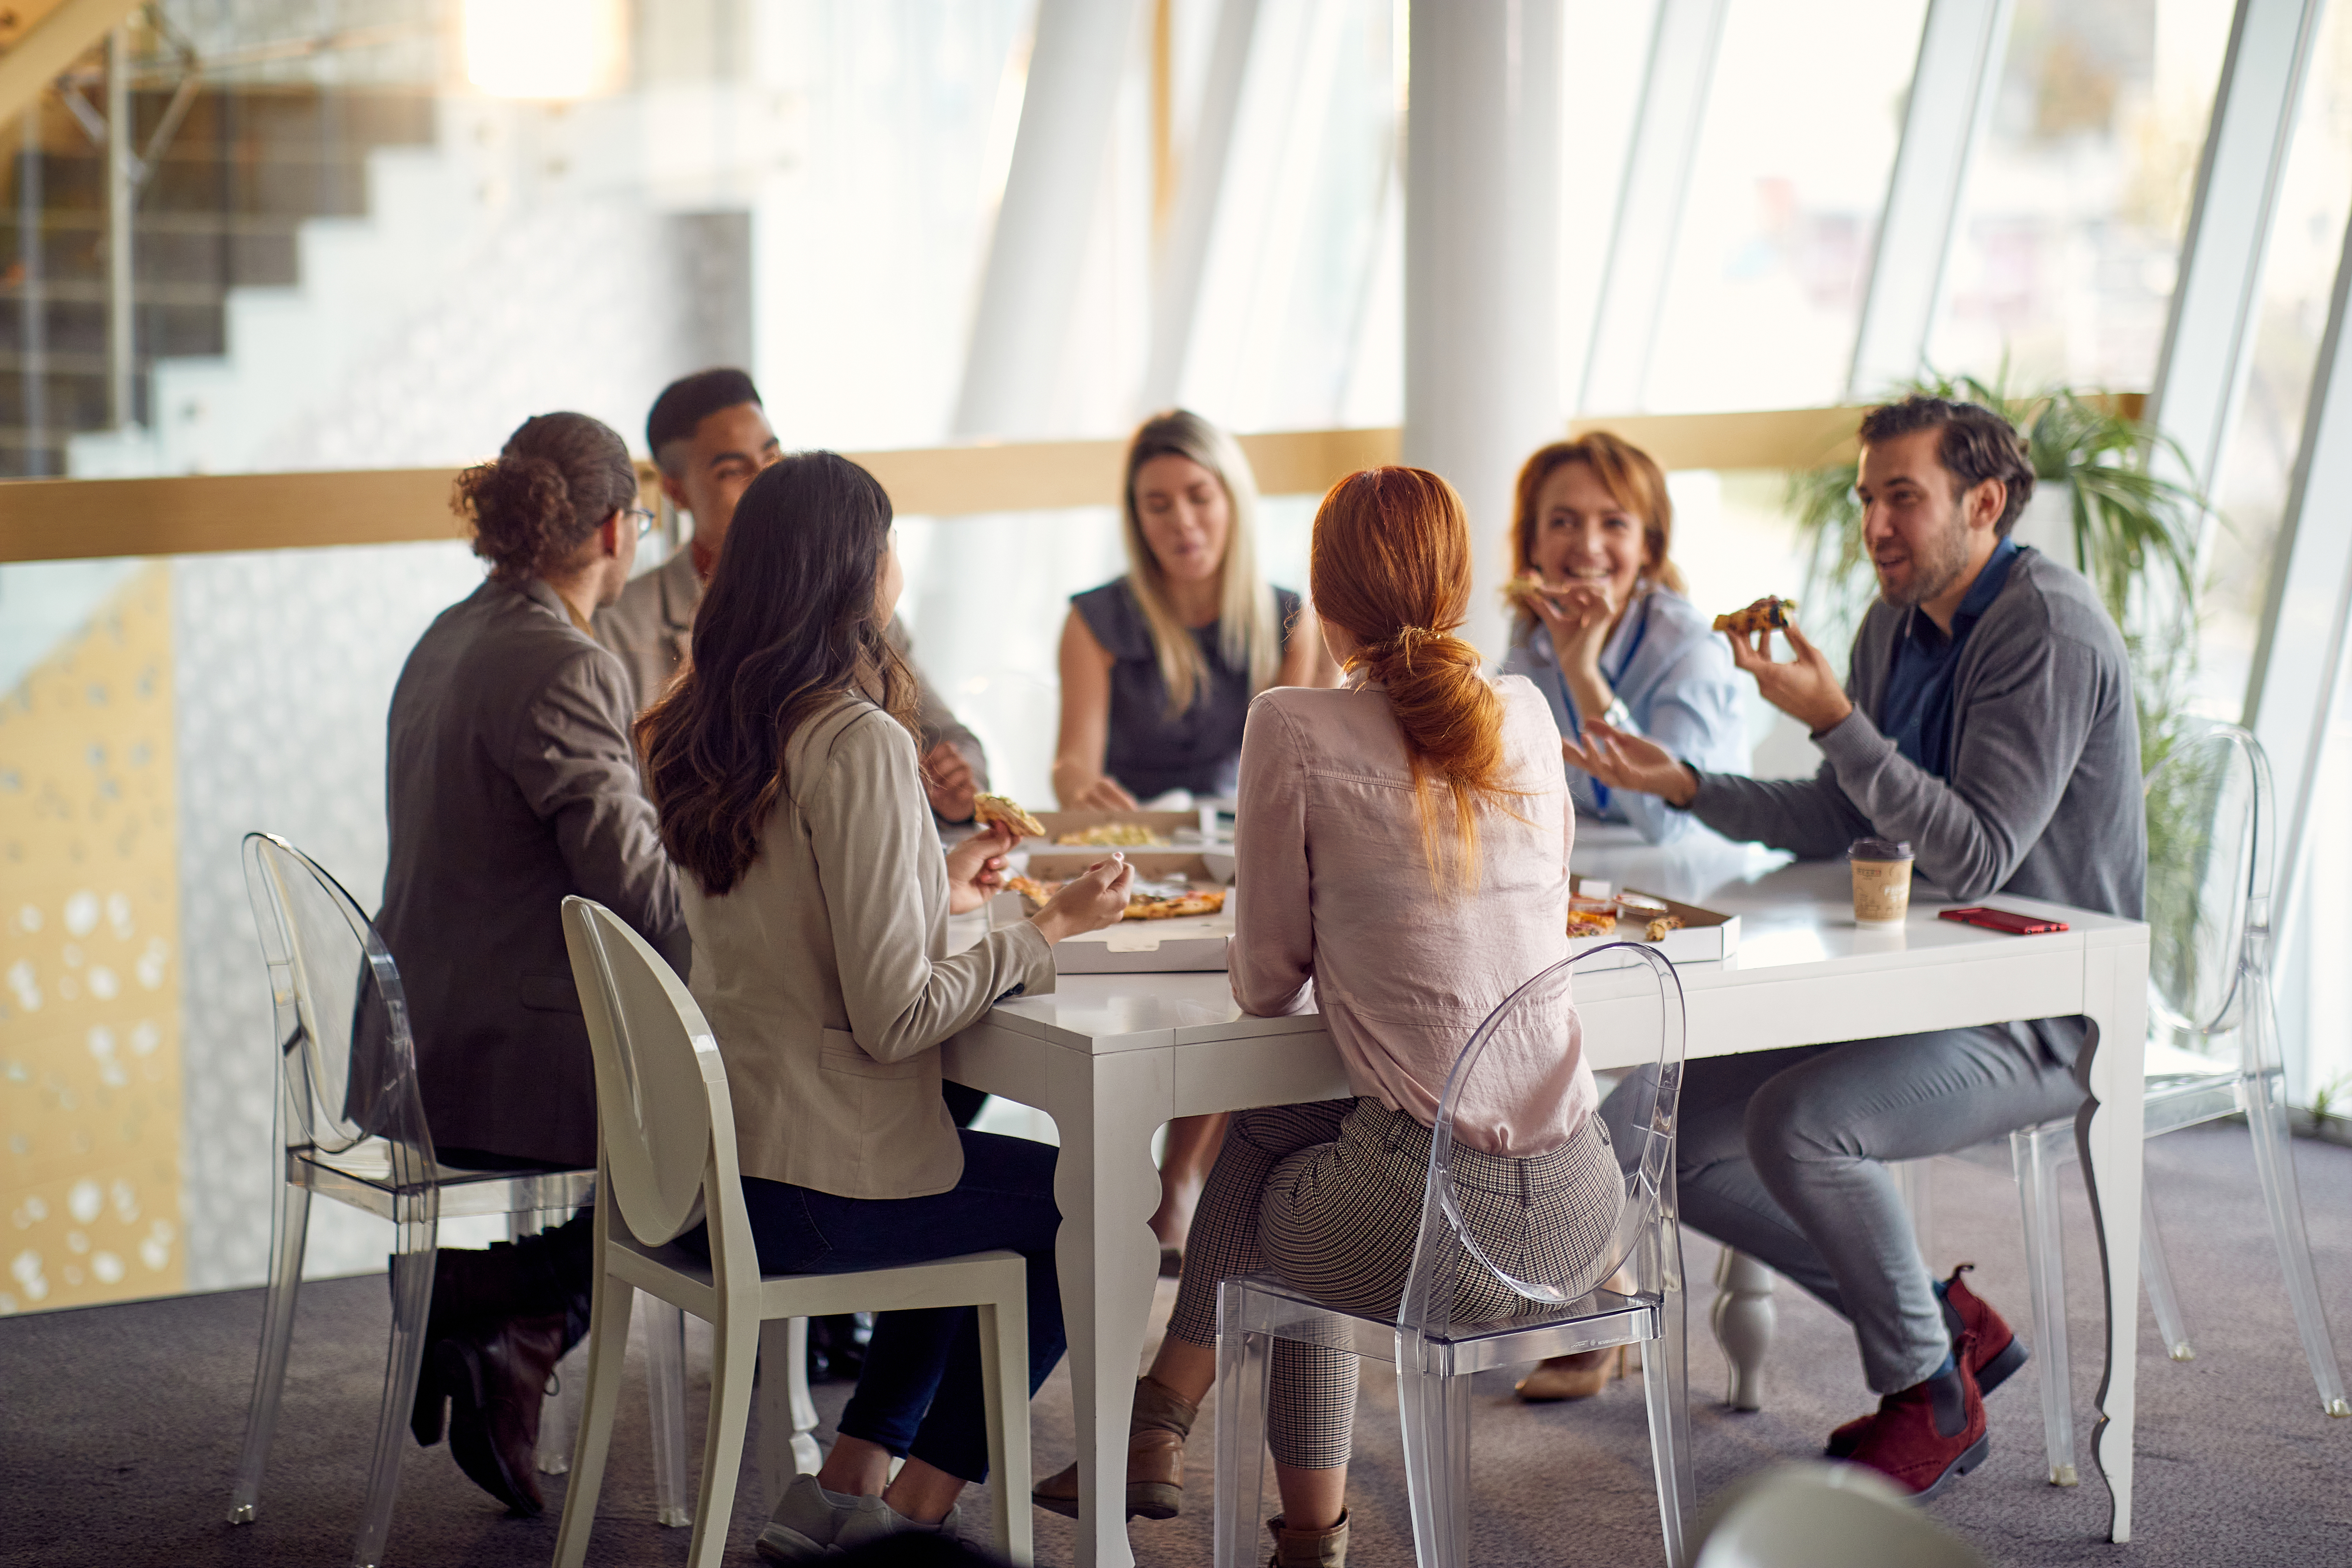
x,y
1390,566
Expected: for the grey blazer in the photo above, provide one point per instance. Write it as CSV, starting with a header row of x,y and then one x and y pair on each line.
x,y
825,976
509,784
651,627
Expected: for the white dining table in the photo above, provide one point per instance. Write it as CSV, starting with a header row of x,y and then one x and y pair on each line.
x,y
1110,1057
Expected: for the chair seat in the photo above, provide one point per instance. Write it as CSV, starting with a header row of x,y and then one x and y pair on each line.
x,y
1595,1321
685,1280
361,1176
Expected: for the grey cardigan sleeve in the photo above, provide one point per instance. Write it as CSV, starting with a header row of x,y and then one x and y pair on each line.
x,y
1811,817
2027,715
573,763
884,884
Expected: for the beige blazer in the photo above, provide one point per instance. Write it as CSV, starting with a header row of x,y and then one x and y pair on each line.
x,y
825,977
651,628
509,784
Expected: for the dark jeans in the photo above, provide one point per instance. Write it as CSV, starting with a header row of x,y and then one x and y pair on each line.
x,y
919,1394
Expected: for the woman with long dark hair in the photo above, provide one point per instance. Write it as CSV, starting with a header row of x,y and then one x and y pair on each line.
x,y
1403,845
784,764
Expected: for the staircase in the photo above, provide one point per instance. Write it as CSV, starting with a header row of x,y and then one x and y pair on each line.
x,y
221,209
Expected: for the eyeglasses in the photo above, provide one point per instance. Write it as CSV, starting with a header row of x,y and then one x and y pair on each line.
x,y
642,518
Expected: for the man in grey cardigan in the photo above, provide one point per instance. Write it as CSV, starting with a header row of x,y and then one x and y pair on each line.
x,y
1987,719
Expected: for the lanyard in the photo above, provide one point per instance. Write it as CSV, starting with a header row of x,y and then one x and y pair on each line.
x,y
1632,647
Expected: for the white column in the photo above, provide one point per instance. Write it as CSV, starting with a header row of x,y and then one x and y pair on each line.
x,y
1649,204
2200,378
1184,260
1962,45
1038,249
2300,655
1481,250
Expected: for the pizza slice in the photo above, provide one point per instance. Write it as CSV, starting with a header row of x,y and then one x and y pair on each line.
x,y
1210,902
987,808
1769,614
1033,893
1590,922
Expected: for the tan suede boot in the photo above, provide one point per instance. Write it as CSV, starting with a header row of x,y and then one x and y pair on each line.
x,y
1307,1548
1155,1458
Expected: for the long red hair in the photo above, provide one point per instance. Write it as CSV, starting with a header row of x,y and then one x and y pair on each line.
x,y
1390,566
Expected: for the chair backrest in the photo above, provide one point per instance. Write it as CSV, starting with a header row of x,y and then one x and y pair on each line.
x,y
346,1060
666,1122
1544,1007
2210,849
1824,1516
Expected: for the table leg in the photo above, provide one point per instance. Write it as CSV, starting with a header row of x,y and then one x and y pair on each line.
x,y
1106,1109
1744,1317
2111,1132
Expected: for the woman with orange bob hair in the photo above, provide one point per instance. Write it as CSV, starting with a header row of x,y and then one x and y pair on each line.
x,y
1607,634
1403,841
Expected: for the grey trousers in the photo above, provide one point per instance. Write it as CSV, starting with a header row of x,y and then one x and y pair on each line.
x,y
1782,1156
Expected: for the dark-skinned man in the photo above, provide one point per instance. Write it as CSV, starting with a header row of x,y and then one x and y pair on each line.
x,y
1987,720
710,437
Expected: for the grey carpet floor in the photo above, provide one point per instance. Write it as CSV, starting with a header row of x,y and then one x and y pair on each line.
x,y
119,1426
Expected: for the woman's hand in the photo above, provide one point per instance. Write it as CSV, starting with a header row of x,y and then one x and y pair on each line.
x,y
976,867
1578,618
1624,760
1099,794
1089,902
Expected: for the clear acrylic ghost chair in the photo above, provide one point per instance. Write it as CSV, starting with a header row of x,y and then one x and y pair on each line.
x,y
667,1162
351,1126
1434,1356
1824,1516
2211,846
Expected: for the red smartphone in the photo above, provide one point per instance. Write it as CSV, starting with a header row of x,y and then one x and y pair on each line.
x,y
2003,920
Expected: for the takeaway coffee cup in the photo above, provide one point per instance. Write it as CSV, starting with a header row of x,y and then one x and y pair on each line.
x,y
1882,881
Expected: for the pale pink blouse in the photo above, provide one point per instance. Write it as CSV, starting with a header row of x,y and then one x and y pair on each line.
x,y
1333,908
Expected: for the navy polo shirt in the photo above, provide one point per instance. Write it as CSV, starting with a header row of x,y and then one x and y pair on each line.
x,y
1916,712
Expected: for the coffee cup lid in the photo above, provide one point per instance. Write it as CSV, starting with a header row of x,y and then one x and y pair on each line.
x,y
1878,850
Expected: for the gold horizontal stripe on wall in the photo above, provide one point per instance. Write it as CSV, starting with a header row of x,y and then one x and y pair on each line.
x,y
194,514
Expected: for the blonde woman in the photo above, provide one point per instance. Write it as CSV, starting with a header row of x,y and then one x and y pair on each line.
x,y
1157,670
1159,666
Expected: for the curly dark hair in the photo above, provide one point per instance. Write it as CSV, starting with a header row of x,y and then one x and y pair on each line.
x,y
557,478
1977,444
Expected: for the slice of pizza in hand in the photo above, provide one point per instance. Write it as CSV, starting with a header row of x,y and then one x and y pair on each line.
x,y
987,808
1769,614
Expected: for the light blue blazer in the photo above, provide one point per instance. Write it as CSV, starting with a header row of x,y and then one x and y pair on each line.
x,y
1675,677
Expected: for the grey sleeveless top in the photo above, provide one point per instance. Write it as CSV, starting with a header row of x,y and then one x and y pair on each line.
x,y
1151,753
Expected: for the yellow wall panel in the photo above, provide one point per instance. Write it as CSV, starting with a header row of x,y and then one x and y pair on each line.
x,y
90,981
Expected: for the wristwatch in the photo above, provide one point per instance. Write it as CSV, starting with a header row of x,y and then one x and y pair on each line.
x,y
1619,717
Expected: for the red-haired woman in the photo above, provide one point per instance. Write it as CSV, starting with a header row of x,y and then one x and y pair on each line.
x,y
1611,636
1419,764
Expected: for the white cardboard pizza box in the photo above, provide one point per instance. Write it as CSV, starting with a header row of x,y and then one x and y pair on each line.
x,y
1705,935
1148,947
1191,945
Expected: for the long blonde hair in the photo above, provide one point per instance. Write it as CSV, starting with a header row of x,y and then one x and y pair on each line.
x,y
1249,633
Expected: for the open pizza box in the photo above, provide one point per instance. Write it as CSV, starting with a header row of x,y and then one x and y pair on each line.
x,y
1182,845
1703,935
1192,943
